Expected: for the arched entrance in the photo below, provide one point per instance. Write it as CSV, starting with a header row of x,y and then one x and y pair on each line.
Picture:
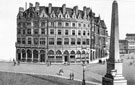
x,y
18,55
66,56
23,55
42,56
91,55
35,56
29,56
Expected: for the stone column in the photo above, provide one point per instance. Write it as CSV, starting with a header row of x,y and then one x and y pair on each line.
x,y
114,65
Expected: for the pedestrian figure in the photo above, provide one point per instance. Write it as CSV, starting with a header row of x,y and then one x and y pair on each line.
x,y
18,62
14,62
72,76
61,71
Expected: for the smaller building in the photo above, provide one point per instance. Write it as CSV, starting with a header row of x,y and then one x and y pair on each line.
x,y
123,44
131,42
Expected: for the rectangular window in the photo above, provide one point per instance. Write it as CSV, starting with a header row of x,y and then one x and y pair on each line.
x,y
88,33
79,32
66,24
42,24
35,41
66,41
59,24
84,41
36,31
84,32
51,41
66,32
18,31
78,41
28,23
42,41
19,24
23,40
72,41
52,31
42,30
79,24
73,32
29,31
59,32
73,24
29,40
87,41
36,24
51,24
84,25
59,41
23,31
19,40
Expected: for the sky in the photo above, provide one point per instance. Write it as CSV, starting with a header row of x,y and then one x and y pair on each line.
x,y
9,10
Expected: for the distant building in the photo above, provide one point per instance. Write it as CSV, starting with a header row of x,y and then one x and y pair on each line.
x,y
123,44
131,42
59,34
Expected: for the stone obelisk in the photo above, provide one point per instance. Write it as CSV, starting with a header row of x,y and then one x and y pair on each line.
x,y
114,65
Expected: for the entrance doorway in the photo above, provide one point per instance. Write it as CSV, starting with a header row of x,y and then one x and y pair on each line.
x,y
66,58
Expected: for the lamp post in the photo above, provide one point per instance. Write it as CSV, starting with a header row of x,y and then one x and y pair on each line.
x,y
83,81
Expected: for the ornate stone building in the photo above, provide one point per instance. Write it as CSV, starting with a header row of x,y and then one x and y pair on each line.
x,y
59,34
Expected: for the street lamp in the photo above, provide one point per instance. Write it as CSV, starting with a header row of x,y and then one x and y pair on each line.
x,y
84,66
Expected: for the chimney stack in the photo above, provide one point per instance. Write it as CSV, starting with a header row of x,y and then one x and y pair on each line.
x,y
30,5
64,9
76,9
37,6
84,9
50,8
87,11
21,9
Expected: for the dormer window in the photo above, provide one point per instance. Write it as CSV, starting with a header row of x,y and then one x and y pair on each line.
x,y
60,15
53,15
43,14
74,16
67,15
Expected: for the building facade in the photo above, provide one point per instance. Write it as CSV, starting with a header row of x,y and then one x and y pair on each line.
x,y
59,34
131,42
123,44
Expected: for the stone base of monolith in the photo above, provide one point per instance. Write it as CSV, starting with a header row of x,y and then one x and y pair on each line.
x,y
117,79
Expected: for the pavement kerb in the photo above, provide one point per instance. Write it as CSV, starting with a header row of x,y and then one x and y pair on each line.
x,y
50,75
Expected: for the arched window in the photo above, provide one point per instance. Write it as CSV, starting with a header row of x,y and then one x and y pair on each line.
x,y
58,56
50,55
66,52
72,54
78,55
